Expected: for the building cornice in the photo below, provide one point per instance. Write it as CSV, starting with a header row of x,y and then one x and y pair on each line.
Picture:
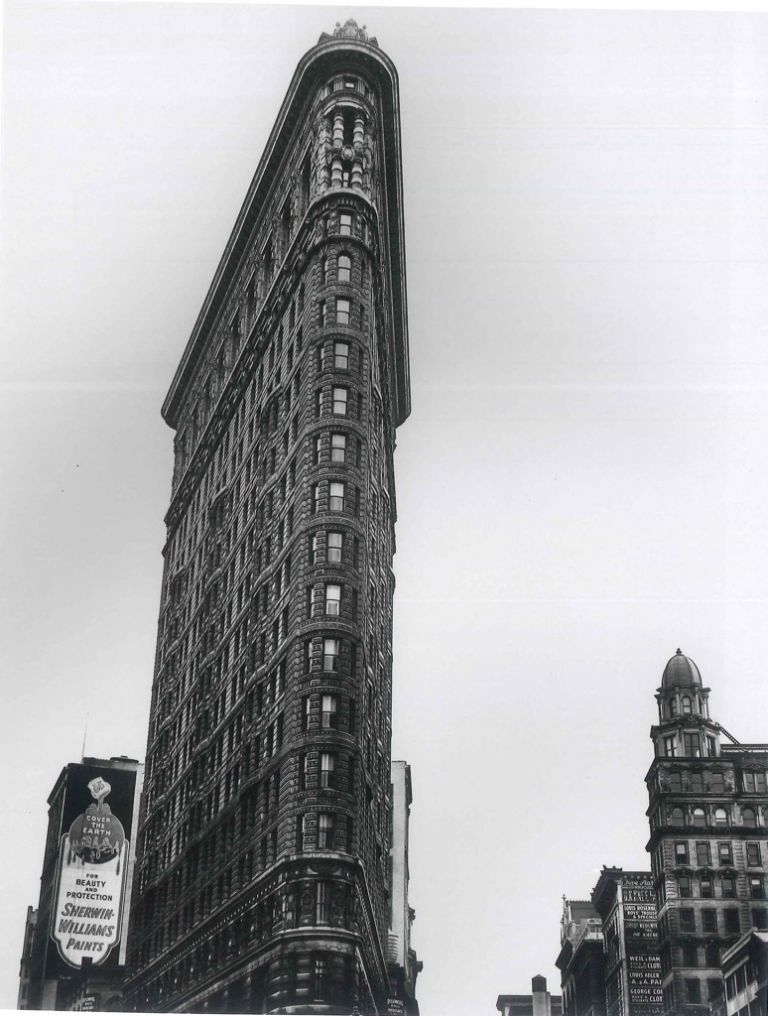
x,y
316,65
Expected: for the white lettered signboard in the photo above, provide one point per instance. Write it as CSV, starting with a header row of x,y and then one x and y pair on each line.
x,y
93,864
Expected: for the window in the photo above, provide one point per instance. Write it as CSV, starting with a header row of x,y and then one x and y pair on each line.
x,y
327,770
760,918
756,887
332,600
331,655
687,919
690,955
314,543
329,705
714,985
301,832
692,745
712,746
684,887
703,855
335,544
323,312
341,355
699,817
721,816
670,746
712,954
342,311
686,706
716,783
724,853
326,266
728,887
322,898
319,977
336,497
693,990
340,396
344,269
748,817
681,853
707,893
325,831
338,446
676,817
709,920
753,855
306,713
316,496
303,769
754,782
345,224
732,922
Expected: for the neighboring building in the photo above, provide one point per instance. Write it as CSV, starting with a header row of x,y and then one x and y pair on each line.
x,y
708,816
26,957
265,831
581,960
538,1003
404,967
745,974
75,951
626,903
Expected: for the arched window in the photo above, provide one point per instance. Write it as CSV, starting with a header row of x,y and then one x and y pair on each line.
x,y
721,817
748,817
676,817
344,269
699,817
686,703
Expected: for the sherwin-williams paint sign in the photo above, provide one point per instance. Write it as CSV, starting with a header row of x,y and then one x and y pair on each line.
x,y
93,865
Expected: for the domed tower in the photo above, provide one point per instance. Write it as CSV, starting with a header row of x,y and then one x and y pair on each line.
x,y
708,815
262,879
685,729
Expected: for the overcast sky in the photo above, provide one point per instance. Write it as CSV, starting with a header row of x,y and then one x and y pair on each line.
x,y
582,483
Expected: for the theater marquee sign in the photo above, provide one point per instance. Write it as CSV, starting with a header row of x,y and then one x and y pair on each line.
x,y
90,884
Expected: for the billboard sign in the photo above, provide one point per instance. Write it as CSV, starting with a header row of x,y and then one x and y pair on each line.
x,y
93,865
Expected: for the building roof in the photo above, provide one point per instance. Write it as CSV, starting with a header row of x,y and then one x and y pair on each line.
x,y
681,672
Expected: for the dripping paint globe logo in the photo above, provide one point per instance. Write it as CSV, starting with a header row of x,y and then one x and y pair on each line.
x,y
91,880
97,835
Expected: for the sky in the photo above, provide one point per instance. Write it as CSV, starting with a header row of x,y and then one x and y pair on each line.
x,y
581,483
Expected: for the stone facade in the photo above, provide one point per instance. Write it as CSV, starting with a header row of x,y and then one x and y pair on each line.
x,y
708,814
581,960
265,832
626,904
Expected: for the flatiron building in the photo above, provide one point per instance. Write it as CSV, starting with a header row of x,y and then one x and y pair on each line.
x,y
264,840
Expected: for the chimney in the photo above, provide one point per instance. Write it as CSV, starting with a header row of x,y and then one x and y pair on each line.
x,y
540,996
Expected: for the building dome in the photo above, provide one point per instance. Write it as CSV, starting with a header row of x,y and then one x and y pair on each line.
x,y
681,672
